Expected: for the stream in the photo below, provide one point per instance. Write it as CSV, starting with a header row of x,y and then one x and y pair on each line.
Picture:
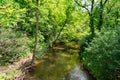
x,y
60,64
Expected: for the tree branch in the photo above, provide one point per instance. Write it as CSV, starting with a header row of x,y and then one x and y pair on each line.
x,y
92,5
105,2
82,6
108,10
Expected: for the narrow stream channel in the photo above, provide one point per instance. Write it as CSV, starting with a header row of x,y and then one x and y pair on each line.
x,y
59,65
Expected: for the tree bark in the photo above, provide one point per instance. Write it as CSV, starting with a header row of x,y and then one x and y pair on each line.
x,y
36,34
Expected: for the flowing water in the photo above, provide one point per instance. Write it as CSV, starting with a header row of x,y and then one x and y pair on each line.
x,y
60,64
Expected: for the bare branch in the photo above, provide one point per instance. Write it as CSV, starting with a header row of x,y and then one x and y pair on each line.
x,y
105,2
110,8
82,6
92,5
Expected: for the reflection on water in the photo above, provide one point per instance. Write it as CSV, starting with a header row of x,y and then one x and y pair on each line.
x,y
60,65
77,73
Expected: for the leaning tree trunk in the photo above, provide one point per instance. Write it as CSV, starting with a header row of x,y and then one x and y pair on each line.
x,y
36,34
60,31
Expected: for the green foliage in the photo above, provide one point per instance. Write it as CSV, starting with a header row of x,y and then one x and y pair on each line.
x,y
13,44
65,21
10,13
85,41
102,55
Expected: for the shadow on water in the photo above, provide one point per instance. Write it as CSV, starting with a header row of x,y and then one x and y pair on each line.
x,y
61,64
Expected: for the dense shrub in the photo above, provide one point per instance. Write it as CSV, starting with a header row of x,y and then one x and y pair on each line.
x,y
85,41
102,57
13,44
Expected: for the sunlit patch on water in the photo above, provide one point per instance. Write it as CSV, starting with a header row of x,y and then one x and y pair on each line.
x,y
78,74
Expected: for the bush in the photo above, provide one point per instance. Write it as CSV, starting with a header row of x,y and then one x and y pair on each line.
x,y
12,45
102,57
85,41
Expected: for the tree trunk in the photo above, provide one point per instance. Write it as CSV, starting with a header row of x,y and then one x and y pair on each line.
x,y
92,19
100,16
36,34
117,17
60,31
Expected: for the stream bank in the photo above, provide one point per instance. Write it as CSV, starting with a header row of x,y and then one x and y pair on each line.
x,y
12,71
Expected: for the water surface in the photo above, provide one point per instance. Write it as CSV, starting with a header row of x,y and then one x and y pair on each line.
x,y
60,64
